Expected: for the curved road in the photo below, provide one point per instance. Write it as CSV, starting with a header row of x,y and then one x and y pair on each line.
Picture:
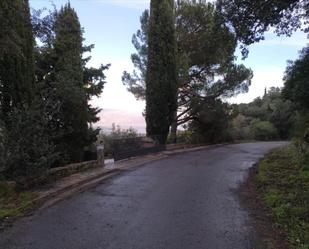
x,y
185,201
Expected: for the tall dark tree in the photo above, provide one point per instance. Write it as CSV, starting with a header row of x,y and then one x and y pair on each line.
x,y
68,81
16,56
206,67
161,75
25,148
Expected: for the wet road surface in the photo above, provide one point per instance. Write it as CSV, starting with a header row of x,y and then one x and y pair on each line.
x,y
185,201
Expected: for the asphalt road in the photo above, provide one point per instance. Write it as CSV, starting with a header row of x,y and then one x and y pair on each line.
x,y
185,201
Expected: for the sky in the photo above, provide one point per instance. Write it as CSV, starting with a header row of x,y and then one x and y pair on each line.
x,y
110,24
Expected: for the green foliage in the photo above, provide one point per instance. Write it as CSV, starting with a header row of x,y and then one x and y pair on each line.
x,y
300,128
302,147
251,19
161,74
123,137
205,53
284,185
296,89
16,56
207,49
211,123
183,137
65,79
135,82
28,150
24,146
263,130
13,203
2,147
272,109
49,124
240,129
296,86
68,82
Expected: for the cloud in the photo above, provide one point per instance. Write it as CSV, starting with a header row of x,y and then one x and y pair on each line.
x,y
285,42
263,78
115,94
298,39
117,104
126,119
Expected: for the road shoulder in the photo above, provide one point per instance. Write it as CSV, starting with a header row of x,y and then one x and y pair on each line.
x,y
275,195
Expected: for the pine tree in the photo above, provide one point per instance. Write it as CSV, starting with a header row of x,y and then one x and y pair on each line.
x,y
16,56
68,81
161,75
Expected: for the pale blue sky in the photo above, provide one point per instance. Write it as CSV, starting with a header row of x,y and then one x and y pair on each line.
x,y
109,24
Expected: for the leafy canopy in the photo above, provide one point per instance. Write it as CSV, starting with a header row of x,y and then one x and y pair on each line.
x,y
251,19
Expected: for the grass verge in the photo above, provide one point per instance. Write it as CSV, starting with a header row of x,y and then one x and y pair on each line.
x,y
282,183
13,204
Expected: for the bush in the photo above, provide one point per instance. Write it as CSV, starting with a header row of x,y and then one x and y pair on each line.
x,y
2,151
263,130
301,125
119,139
183,137
27,150
211,123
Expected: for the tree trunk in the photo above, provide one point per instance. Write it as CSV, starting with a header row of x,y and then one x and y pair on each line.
x,y
174,129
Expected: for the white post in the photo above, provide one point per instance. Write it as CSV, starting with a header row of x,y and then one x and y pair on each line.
x,y
100,154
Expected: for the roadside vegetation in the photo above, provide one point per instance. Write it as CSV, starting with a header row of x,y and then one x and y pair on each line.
x,y
283,184
14,203
283,178
118,137
45,89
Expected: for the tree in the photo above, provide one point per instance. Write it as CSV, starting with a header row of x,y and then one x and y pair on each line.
x,y
280,112
65,80
161,74
250,19
210,123
296,89
271,108
25,148
68,82
135,82
206,68
17,87
263,130
296,86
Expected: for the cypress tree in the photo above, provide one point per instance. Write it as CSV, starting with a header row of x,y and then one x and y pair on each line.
x,y
68,80
161,75
16,56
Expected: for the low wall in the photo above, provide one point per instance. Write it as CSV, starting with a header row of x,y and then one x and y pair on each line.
x,y
71,169
54,174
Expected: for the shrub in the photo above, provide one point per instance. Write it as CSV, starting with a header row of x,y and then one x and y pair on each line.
x,y
263,130
240,129
183,137
119,139
2,152
27,149
211,123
